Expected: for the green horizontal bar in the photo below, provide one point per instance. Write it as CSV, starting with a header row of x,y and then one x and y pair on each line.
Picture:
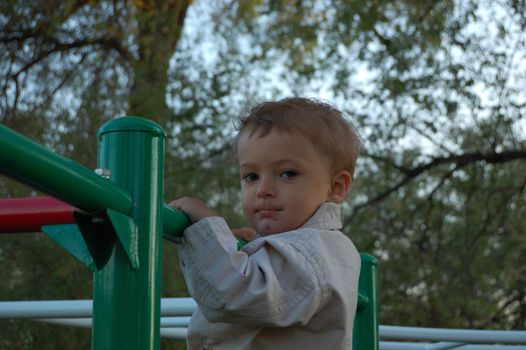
x,y
174,222
60,177
36,166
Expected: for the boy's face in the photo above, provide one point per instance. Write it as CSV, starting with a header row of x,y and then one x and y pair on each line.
x,y
284,180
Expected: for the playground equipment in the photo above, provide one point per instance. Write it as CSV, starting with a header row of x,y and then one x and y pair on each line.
x,y
113,221
176,311
119,222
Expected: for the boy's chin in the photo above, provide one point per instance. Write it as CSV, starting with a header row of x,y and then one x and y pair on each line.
x,y
269,229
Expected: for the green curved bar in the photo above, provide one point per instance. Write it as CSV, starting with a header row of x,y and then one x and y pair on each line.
x,y
62,178
174,222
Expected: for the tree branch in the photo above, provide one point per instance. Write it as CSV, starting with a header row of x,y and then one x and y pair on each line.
x,y
460,160
58,46
387,161
443,180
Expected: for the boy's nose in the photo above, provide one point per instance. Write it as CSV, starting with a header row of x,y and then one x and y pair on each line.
x,y
265,188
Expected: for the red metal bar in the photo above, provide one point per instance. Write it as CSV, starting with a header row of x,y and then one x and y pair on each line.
x,y
31,213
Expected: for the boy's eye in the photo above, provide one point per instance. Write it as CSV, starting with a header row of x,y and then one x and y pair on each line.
x,y
249,177
289,174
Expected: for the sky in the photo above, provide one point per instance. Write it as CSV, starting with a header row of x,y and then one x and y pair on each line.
x,y
270,83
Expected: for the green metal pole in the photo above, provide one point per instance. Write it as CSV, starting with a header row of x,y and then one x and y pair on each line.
x,y
365,333
126,301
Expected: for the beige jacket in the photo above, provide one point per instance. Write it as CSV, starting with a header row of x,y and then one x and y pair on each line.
x,y
293,290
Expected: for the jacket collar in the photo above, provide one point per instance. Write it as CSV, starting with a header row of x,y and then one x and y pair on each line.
x,y
327,217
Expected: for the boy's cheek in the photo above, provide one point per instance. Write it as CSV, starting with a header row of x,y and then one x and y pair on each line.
x,y
245,206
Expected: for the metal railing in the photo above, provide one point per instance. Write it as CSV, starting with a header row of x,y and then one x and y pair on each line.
x,y
175,315
119,224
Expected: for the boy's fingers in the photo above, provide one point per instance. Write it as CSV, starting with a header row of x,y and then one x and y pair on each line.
x,y
247,233
177,203
183,202
193,207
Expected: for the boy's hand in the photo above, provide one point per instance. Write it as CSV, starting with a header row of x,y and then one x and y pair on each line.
x,y
246,233
193,207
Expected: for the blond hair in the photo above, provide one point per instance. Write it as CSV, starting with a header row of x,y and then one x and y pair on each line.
x,y
324,125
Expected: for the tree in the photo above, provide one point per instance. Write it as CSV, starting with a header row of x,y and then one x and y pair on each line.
x,y
63,43
437,91
435,88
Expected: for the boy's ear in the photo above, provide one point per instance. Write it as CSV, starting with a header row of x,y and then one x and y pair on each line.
x,y
340,184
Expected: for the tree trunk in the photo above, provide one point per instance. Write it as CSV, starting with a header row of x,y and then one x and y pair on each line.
x,y
159,26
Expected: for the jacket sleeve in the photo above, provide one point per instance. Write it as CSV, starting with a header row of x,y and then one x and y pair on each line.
x,y
271,282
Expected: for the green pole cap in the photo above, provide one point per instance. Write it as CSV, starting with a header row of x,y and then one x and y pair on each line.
x,y
131,123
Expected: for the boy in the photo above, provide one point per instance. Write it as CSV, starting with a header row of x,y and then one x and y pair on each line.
x,y
295,285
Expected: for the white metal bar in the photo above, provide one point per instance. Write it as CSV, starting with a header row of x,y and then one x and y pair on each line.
x,y
166,322
46,309
444,346
384,345
171,327
493,347
82,308
76,310
389,345
452,335
178,306
176,333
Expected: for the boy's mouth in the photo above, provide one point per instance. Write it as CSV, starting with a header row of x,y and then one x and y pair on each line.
x,y
267,213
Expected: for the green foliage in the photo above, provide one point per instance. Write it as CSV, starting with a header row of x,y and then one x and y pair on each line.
x,y
447,253
34,268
